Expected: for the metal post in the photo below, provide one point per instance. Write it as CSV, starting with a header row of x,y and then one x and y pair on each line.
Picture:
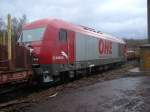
x,y
9,39
148,19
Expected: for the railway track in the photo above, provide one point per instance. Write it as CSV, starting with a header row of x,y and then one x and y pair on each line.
x,y
26,95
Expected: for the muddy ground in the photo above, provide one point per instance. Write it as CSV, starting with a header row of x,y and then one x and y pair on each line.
x,y
29,98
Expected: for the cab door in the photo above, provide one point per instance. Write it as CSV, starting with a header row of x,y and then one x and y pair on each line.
x,y
63,47
71,46
66,45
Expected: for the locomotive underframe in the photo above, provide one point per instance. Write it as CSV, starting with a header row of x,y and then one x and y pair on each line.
x,y
56,70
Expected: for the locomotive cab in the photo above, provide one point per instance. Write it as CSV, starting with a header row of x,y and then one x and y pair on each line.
x,y
32,38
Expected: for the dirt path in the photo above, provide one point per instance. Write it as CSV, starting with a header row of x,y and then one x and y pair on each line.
x,y
25,101
119,95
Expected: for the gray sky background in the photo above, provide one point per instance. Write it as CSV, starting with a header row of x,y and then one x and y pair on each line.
x,y
122,18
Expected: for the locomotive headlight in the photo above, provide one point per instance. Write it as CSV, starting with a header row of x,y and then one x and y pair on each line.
x,y
35,59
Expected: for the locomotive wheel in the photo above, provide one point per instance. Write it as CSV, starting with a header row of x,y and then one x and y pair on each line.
x,y
63,77
78,74
71,74
105,67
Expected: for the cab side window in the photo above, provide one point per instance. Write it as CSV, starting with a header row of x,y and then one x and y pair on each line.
x,y
63,35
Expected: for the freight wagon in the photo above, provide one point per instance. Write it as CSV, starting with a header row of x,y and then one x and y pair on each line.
x,y
18,70
15,61
60,47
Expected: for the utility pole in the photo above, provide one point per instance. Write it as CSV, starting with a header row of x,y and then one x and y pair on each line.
x,y
145,49
148,20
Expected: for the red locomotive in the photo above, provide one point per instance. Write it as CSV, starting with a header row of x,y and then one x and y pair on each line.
x,y
61,47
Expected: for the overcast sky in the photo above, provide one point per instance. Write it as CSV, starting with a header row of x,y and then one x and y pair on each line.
x,y
122,18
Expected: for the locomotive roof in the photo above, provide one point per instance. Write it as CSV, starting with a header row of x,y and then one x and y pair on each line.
x,y
66,25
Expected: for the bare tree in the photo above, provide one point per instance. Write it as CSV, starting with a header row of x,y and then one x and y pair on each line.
x,y
17,26
2,29
2,24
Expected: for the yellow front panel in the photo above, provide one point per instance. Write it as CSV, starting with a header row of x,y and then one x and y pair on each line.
x,y
146,59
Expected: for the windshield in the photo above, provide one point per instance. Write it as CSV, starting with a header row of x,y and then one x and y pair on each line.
x,y
32,34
